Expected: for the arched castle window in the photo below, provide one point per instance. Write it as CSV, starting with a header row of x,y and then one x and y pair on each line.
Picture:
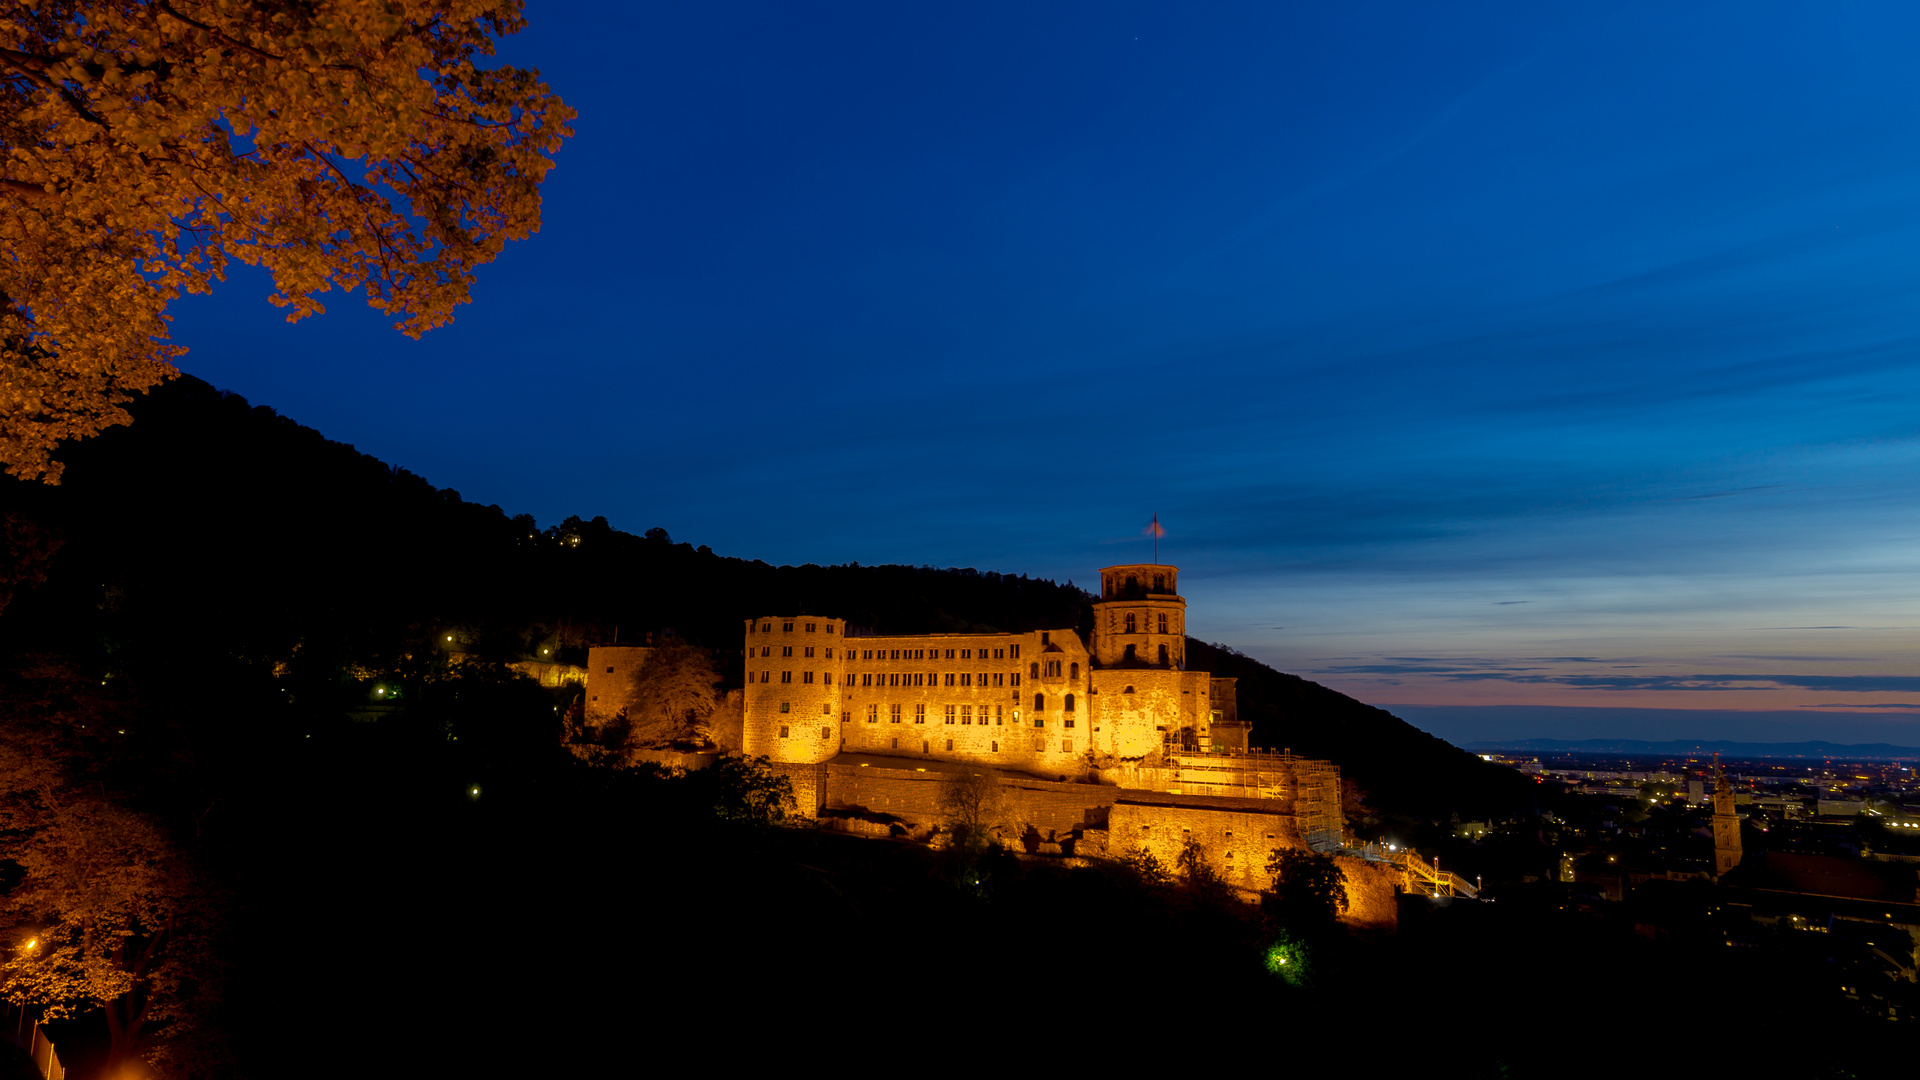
x,y
1074,671
1130,657
1130,626
1039,703
1133,583
1033,670
1068,705
1163,654
1159,583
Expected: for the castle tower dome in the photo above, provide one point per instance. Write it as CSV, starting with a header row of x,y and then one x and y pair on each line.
x,y
1140,620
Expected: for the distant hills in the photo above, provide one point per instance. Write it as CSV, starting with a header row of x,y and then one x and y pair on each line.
x,y
1812,749
218,553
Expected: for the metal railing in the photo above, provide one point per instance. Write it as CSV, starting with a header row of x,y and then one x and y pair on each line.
x,y
1430,879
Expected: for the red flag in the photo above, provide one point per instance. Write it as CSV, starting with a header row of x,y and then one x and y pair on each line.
x,y
1155,530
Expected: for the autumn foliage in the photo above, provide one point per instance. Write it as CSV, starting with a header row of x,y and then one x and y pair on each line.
x,y
339,142
102,909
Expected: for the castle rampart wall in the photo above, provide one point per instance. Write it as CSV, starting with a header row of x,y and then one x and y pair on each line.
x,y
913,796
1372,894
1236,834
809,782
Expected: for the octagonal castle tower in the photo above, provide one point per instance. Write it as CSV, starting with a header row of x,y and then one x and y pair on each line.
x,y
1144,697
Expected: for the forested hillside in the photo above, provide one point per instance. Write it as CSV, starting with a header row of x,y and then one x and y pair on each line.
x,y
215,547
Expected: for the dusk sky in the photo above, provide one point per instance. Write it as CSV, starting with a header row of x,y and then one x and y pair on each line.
x,y
1509,360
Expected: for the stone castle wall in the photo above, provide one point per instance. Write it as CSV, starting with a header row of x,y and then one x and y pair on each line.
x,y
610,672
792,691
1236,834
913,796
1372,894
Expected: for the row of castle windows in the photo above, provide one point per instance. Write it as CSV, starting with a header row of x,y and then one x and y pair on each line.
x,y
963,714
913,678
1010,652
825,732
785,650
787,706
826,677
932,678
1033,669
912,654
807,651
786,627
926,745
1131,629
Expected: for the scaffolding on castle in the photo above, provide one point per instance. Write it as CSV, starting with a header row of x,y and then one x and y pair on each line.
x,y
1317,806
1313,786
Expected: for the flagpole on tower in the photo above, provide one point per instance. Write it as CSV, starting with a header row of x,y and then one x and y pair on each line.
x,y
1156,536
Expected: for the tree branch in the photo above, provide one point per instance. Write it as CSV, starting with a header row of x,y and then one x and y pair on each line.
x,y
217,34
22,189
35,68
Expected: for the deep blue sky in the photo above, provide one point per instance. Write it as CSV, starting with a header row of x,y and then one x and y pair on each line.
x,y
1513,354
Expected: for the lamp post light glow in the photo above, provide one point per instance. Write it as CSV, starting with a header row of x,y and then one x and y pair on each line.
x,y
1287,959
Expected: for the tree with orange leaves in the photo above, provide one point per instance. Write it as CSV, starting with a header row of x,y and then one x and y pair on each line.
x,y
103,909
144,143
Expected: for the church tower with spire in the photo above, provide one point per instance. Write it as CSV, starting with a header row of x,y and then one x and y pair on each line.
x,y
1726,824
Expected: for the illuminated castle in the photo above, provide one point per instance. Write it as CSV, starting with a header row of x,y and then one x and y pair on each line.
x,y
1104,745
1045,701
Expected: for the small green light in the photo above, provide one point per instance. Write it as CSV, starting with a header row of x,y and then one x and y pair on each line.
x,y
1286,959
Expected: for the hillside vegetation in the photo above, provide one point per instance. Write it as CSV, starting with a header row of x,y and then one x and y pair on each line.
x,y
220,543
191,615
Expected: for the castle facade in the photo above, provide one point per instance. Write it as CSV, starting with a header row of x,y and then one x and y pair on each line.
x,y
1045,701
1048,710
